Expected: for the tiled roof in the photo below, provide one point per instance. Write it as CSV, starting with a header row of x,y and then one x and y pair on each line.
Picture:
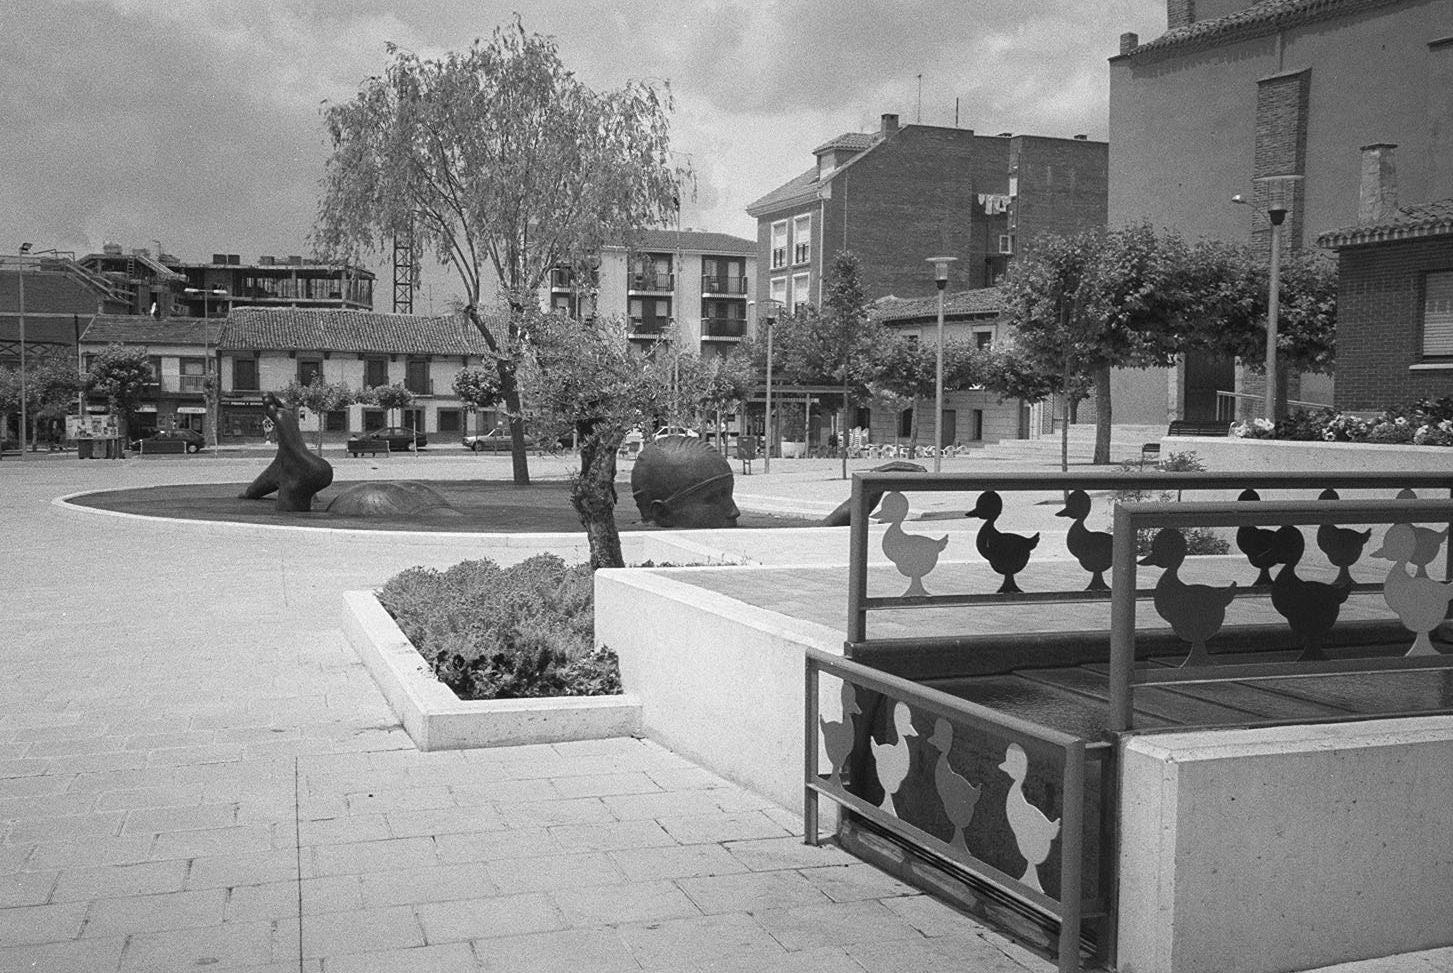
x,y
1265,17
800,188
143,329
261,328
854,141
981,302
1410,223
693,240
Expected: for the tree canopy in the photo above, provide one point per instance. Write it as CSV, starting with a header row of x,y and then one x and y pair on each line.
x,y
119,375
502,164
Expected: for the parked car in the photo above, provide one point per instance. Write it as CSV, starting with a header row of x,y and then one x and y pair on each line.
x,y
171,441
665,431
495,441
399,439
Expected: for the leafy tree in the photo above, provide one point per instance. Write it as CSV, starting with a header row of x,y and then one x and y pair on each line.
x,y
907,371
845,317
477,388
501,161
318,397
587,378
390,397
119,375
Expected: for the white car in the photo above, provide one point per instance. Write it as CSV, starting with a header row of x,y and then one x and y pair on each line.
x,y
665,431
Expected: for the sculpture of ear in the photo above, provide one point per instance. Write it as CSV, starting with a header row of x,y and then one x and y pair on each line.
x,y
660,513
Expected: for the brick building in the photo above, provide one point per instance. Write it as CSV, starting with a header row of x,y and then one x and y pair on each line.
x,y
1235,91
1394,306
905,193
181,352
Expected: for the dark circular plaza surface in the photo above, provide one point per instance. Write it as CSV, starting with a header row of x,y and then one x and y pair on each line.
x,y
485,506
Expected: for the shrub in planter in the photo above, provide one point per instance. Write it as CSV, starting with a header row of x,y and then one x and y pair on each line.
x,y
502,633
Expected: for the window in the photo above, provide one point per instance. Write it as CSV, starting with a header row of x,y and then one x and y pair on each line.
x,y
154,362
650,314
1438,315
451,420
374,419
801,290
413,419
375,372
1006,243
244,374
194,374
336,421
905,423
416,377
802,239
983,339
779,244
779,290
308,369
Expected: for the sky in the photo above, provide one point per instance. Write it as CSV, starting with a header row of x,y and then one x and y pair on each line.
x,y
195,126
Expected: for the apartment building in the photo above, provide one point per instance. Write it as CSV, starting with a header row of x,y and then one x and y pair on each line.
x,y
696,281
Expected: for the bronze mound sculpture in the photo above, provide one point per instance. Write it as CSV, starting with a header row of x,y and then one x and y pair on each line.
x,y
295,474
401,498
679,481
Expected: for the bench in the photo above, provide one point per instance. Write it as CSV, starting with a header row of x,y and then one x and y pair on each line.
x,y
1184,427
158,447
372,449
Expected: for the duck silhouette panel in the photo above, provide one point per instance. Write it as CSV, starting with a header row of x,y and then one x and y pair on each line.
x,y
1256,544
1093,549
1310,607
1034,832
1341,545
894,759
839,736
1195,612
1428,541
1421,603
1007,554
958,796
914,555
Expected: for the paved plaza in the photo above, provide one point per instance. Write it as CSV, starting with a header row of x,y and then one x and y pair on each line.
x,y
196,772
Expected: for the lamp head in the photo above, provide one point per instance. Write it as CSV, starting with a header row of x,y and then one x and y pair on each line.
x,y
940,270
1240,199
25,248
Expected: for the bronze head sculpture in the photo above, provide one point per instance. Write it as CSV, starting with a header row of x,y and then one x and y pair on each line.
x,y
679,481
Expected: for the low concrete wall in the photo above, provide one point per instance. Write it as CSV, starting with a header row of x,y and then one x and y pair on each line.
x,y
720,681
1285,848
436,719
1228,454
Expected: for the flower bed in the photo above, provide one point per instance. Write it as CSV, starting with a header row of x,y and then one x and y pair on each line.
x,y
1428,422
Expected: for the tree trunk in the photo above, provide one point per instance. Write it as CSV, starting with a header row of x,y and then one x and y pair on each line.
x,y
1064,438
593,495
1102,415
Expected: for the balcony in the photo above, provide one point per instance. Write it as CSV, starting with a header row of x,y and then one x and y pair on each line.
x,y
731,286
730,329
648,326
193,383
420,386
564,279
652,283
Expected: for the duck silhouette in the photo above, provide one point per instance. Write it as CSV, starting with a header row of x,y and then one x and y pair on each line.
x,y
838,737
1421,603
1093,549
1033,831
1195,612
1310,607
893,759
1342,545
1255,543
959,797
1429,541
1007,554
914,555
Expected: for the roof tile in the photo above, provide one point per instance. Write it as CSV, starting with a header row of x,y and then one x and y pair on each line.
x,y
1410,222
258,328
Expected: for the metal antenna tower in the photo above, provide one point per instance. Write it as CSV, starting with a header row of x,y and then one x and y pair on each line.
x,y
404,282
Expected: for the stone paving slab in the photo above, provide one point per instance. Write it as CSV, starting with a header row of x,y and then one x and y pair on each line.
x,y
191,760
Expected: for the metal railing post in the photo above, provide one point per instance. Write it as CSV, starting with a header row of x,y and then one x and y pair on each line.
x,y
1122,623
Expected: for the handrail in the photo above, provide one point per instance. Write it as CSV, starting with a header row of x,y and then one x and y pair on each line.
x,y
1226,403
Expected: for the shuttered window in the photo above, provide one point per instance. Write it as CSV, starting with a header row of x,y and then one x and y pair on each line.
x,y
1438,315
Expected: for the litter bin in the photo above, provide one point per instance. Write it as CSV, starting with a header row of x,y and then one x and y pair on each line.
x,y
84,448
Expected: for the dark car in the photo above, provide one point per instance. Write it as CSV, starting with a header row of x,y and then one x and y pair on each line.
x,y
495,441
399,438
170,441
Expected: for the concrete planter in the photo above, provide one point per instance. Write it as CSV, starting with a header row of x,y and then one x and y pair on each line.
x,y
436,719
1285,456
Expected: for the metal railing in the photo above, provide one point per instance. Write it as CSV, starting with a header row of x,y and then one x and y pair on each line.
x,y
723,327
966,725
1227,402
652,282
723,285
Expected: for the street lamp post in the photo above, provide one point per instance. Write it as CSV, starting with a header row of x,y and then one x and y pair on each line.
x,y
770,306
1279,191
24,411
940,279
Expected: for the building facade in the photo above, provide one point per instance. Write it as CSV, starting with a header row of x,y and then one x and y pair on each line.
x,y
1235,92
905,193
182,360
694,282
263,349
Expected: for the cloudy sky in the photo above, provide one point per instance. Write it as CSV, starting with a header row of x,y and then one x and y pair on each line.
x,y
195,123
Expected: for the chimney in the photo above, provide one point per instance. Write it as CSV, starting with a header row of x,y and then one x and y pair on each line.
x,y
1377,197
1179,13
1129,42
890,124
